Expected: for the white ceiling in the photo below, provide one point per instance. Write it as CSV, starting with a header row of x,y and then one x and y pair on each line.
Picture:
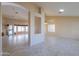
x,y
52,8
9,10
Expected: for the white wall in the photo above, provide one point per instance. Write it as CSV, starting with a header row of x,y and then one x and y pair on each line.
x,y
67,26
37,38
0,31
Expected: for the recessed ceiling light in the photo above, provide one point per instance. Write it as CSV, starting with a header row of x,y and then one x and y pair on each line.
x,y
61,10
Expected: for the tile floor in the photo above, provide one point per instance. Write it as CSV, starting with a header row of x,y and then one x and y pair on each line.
x,y
11,43
52,46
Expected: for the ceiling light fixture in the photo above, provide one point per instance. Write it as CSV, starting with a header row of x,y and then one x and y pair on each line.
x,y
61,10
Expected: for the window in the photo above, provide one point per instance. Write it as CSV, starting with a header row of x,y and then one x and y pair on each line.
x,y
14,28
19,28
10,30
22,28
26,28
51,27
10,26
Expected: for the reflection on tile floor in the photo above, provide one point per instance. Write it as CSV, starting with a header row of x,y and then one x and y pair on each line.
x,y
52,46
11,43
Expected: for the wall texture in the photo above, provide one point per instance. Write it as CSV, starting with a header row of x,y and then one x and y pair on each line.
x,y
0,31
66,26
